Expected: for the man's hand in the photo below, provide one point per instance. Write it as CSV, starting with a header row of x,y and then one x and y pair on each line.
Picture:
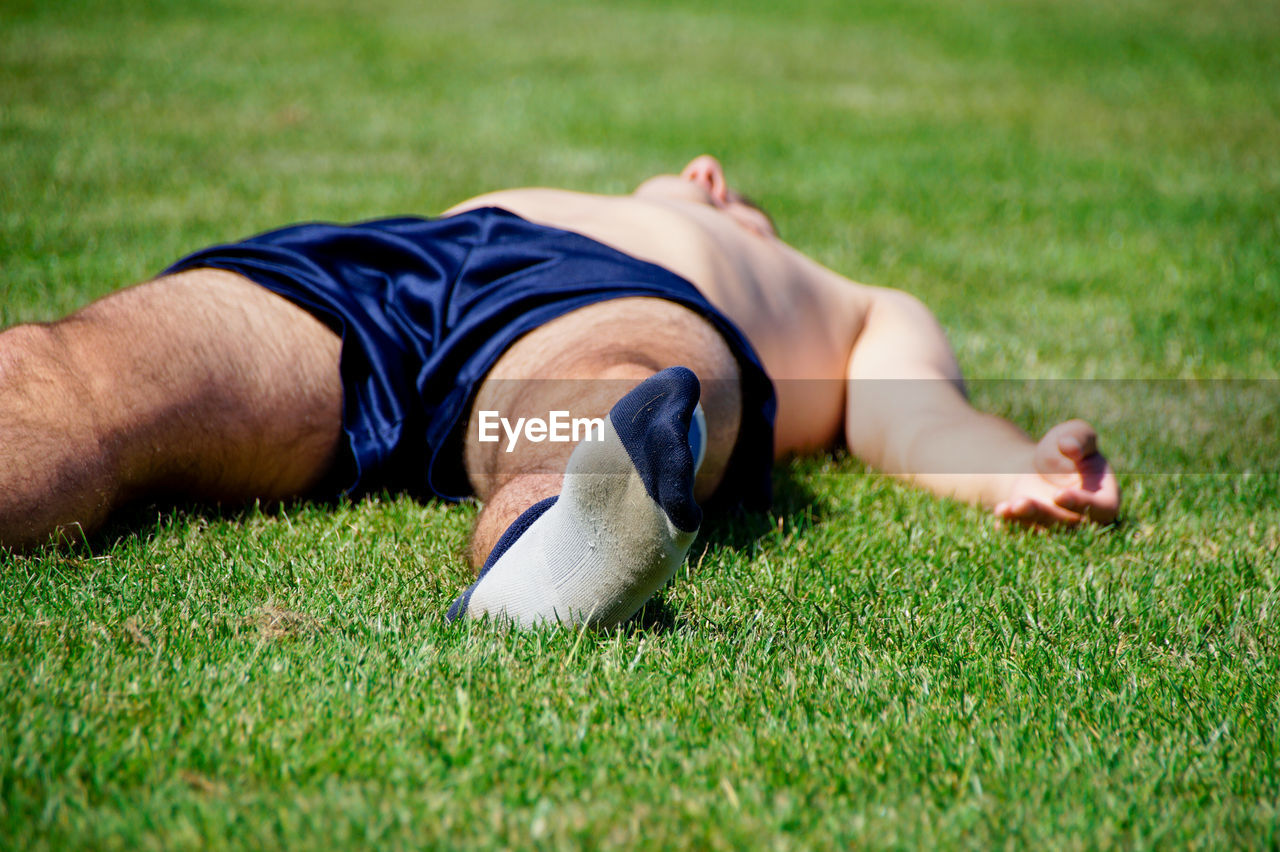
x,y
1071,482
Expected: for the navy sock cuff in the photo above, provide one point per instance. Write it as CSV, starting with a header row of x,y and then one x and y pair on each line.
x,y
653,423
508,538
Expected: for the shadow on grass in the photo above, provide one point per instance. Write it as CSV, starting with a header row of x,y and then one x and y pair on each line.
x,y
137,525
734,528
795,504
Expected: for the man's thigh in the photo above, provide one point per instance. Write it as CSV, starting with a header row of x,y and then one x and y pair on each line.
x,y
213,386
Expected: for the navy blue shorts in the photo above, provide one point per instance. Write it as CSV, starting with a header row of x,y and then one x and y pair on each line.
x,y
426,306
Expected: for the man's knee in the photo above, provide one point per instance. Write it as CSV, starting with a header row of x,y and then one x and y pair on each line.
x,y
40,379
56,470
24,348
584,362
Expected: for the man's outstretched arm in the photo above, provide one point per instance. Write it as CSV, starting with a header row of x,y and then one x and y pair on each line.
x,y
907,415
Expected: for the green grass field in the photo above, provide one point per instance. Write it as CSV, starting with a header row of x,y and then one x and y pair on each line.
x,y
1082,191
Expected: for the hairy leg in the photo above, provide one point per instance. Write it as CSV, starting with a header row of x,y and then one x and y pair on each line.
x,y
201,384
584,362
908,415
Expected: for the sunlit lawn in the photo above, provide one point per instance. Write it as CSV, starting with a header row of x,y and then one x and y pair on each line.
x,y
1086,191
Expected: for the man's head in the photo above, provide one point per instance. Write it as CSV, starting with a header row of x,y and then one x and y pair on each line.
x,y
703,182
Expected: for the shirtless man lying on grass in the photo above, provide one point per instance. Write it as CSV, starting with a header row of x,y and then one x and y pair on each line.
x,y
688,341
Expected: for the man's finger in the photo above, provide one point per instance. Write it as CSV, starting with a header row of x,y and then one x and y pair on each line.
x,y
1034,513
1100,506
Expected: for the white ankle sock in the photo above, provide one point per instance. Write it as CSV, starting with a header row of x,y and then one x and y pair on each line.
x,y
621,525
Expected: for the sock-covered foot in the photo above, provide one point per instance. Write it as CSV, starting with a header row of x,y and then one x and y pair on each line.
x,y
619,529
